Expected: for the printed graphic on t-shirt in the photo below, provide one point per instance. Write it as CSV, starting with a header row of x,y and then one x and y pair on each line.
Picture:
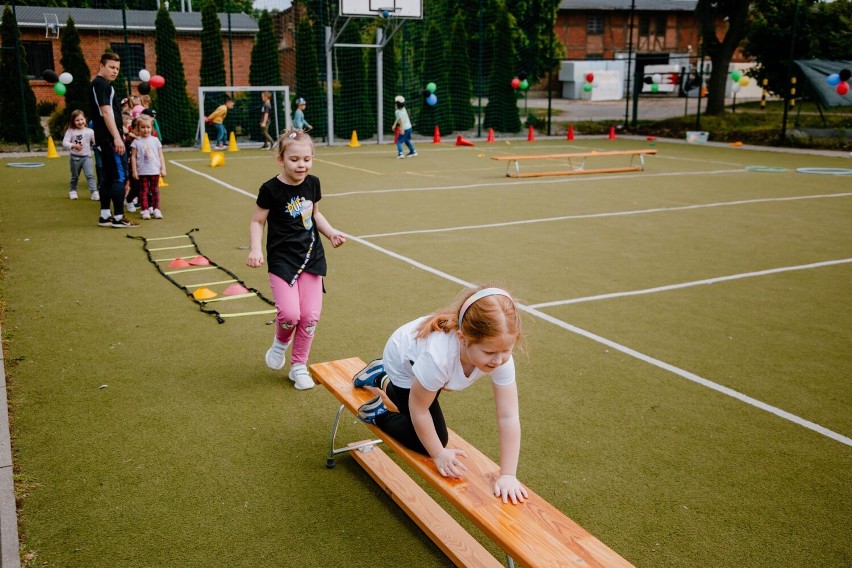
x,y
299,206
76,139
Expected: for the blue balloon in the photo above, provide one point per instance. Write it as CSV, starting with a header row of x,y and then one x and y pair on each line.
x,y
432,100
833,79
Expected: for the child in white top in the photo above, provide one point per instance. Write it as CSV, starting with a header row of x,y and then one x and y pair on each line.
x,y
80,139
449,351
147,165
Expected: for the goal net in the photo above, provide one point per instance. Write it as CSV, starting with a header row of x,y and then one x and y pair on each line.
x,y
244,119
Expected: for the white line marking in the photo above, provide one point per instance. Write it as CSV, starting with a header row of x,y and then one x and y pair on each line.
x,y
631,352
693,283
214,180
611,214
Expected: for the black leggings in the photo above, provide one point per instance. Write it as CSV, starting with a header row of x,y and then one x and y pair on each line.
x,y
399,425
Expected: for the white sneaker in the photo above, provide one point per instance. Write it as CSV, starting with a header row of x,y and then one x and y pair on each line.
x,y
96,196
146,216
275,355
131,208
299,374
72,195
400,156
158,214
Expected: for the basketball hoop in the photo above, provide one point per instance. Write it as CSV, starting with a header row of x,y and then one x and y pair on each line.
x,y
388,12
51,26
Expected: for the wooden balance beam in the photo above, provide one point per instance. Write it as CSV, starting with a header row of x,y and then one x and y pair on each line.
x,y
579,169
534,533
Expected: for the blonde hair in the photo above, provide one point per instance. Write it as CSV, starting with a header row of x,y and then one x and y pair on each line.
x,y
290,137
140,119
487,317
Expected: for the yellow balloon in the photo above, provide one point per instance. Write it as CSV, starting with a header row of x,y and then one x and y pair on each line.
x,y
744,81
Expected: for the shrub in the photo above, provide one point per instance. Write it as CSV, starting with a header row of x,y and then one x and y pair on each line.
x,y
45,108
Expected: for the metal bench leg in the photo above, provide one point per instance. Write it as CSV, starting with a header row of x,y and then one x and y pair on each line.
x,y
332,451
510,561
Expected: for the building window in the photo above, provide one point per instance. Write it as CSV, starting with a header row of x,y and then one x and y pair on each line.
x,y
594,24
39,57
132,58
652,25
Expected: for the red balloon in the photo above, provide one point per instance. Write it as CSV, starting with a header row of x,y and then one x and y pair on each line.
x,y
516,83
590,77
842,88
157,81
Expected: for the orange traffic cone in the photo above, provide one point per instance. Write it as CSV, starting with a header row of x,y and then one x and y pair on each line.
x,y
436,139
611,133
461,141
490,135
570,132
531,135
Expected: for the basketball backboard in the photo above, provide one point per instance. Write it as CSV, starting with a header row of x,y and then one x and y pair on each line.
x,y
411,9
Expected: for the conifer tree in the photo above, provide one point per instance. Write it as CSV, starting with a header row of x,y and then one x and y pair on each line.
x,y
501,114
460,89
212,72
12,126
435,71
73,61
264,68
390,81
358,114
308,76
174,112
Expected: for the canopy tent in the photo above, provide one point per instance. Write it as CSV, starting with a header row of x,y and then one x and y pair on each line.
x,y
817,71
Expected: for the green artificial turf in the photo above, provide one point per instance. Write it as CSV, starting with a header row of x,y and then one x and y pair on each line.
x,y
147,434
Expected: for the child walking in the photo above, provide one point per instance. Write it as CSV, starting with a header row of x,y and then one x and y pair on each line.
x,y
289,202
147,165
299,122
80,139
402,121
265,115
449,350
217,117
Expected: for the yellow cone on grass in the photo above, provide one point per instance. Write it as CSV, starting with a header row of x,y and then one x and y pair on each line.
x,y
51,148
204,294
162,182
205,144
353,143
232,143
217,159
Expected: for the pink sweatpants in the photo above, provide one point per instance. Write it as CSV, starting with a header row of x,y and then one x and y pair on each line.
x,y
299,308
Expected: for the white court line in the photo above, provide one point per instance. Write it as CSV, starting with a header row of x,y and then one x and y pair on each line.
x,y
693,283
611,214
631,352
214,180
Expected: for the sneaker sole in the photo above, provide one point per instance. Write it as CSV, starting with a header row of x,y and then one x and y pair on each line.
x,y
268,364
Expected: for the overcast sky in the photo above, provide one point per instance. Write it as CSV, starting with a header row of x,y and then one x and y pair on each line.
x,y
272,4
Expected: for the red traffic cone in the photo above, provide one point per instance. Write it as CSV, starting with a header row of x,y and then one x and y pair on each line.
x,y
395,135
531,135
570,132
490,135
461,141
436,139
611,133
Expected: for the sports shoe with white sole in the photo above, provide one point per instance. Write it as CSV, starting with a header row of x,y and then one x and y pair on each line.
x,y
123,223
105,221
372,409
145,215
96,196
371,375
274,355
72,194
299,374
130,207
158,214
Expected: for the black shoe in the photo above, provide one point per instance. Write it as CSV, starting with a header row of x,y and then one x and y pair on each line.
x,y
105,221
123,223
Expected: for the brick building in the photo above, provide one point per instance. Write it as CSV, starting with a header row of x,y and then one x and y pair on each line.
x,y
100,29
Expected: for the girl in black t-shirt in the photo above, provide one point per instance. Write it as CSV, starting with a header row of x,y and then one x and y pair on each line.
x,y
289,204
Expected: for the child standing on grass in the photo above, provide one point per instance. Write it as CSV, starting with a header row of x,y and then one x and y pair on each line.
x,y
299,122
217,117
449,350
403,122
80,139
147,165
289,202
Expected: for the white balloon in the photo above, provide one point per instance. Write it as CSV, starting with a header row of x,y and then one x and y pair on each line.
x,y
656,77
735,88
65,78
144,75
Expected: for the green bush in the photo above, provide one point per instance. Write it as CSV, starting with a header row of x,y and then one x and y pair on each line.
x,y
45,108
57,123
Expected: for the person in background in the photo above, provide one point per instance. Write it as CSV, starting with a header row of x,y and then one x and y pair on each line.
x,y
80,139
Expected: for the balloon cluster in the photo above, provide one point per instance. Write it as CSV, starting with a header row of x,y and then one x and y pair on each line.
x,y
59,81
149,81
520,82
654,81
739,80
429,94
590,83
840,81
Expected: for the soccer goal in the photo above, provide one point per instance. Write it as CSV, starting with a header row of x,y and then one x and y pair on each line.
x,y
244,119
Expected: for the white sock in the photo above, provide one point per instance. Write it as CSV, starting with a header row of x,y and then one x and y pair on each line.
x,y
117,217
105,213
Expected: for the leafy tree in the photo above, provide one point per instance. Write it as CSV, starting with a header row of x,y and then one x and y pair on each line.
x,y
73,61
212,72
308,78
534,30
12,126
720,52
501,114
175,114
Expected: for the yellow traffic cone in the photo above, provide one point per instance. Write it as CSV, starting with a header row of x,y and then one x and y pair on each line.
x,y
232,143
205,143
162,183
353,143
217,159
51,148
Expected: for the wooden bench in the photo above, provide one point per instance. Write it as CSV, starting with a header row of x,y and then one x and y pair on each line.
x,y
575,169
533,533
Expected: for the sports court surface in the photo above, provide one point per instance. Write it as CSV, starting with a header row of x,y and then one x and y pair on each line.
x,y
684,378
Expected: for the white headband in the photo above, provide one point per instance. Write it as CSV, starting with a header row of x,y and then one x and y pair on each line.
x,y
478,296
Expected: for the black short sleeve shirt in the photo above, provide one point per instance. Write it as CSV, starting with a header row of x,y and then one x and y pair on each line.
x,y
102,94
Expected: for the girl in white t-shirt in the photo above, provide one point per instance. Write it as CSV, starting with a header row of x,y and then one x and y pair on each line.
x,y
450,350
147,165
